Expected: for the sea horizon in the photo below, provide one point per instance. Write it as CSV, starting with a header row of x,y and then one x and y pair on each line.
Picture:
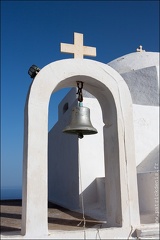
x,y
11,193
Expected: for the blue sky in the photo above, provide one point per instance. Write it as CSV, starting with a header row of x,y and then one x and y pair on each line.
x,y
31,33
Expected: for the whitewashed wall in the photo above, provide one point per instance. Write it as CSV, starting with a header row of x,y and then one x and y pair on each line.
x,y
140,71
66,180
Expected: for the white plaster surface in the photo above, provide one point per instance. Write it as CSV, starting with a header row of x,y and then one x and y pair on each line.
x,y
63,177
91,172
145,119
91,150
110,233
135,61
108,87
148,198
140,71
146,130
145,231
144,85
143,82
98,79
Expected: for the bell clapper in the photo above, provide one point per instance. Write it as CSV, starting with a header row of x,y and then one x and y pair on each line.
x,y
80,135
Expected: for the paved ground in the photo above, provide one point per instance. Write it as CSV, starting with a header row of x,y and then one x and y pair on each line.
x,y
58,218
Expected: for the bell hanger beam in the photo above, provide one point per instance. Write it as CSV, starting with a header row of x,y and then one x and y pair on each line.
x,y
79,92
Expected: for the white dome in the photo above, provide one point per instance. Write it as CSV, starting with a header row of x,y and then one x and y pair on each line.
x,y
140,70
134,61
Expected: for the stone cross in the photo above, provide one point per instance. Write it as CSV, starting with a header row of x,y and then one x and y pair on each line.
x,y
77,48
140,49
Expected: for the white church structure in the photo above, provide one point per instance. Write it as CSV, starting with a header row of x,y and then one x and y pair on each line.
x,y
140,71
112,176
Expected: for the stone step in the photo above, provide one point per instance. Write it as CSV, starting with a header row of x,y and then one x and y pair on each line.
x,y
148,232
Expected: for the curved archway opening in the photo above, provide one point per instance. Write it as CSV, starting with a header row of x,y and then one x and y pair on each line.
x,y
111,154
73,180
111,150
107,86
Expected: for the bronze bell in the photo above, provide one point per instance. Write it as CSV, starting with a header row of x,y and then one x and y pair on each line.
x,y
80,122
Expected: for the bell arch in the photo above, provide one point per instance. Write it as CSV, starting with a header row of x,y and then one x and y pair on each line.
x,y
120,172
